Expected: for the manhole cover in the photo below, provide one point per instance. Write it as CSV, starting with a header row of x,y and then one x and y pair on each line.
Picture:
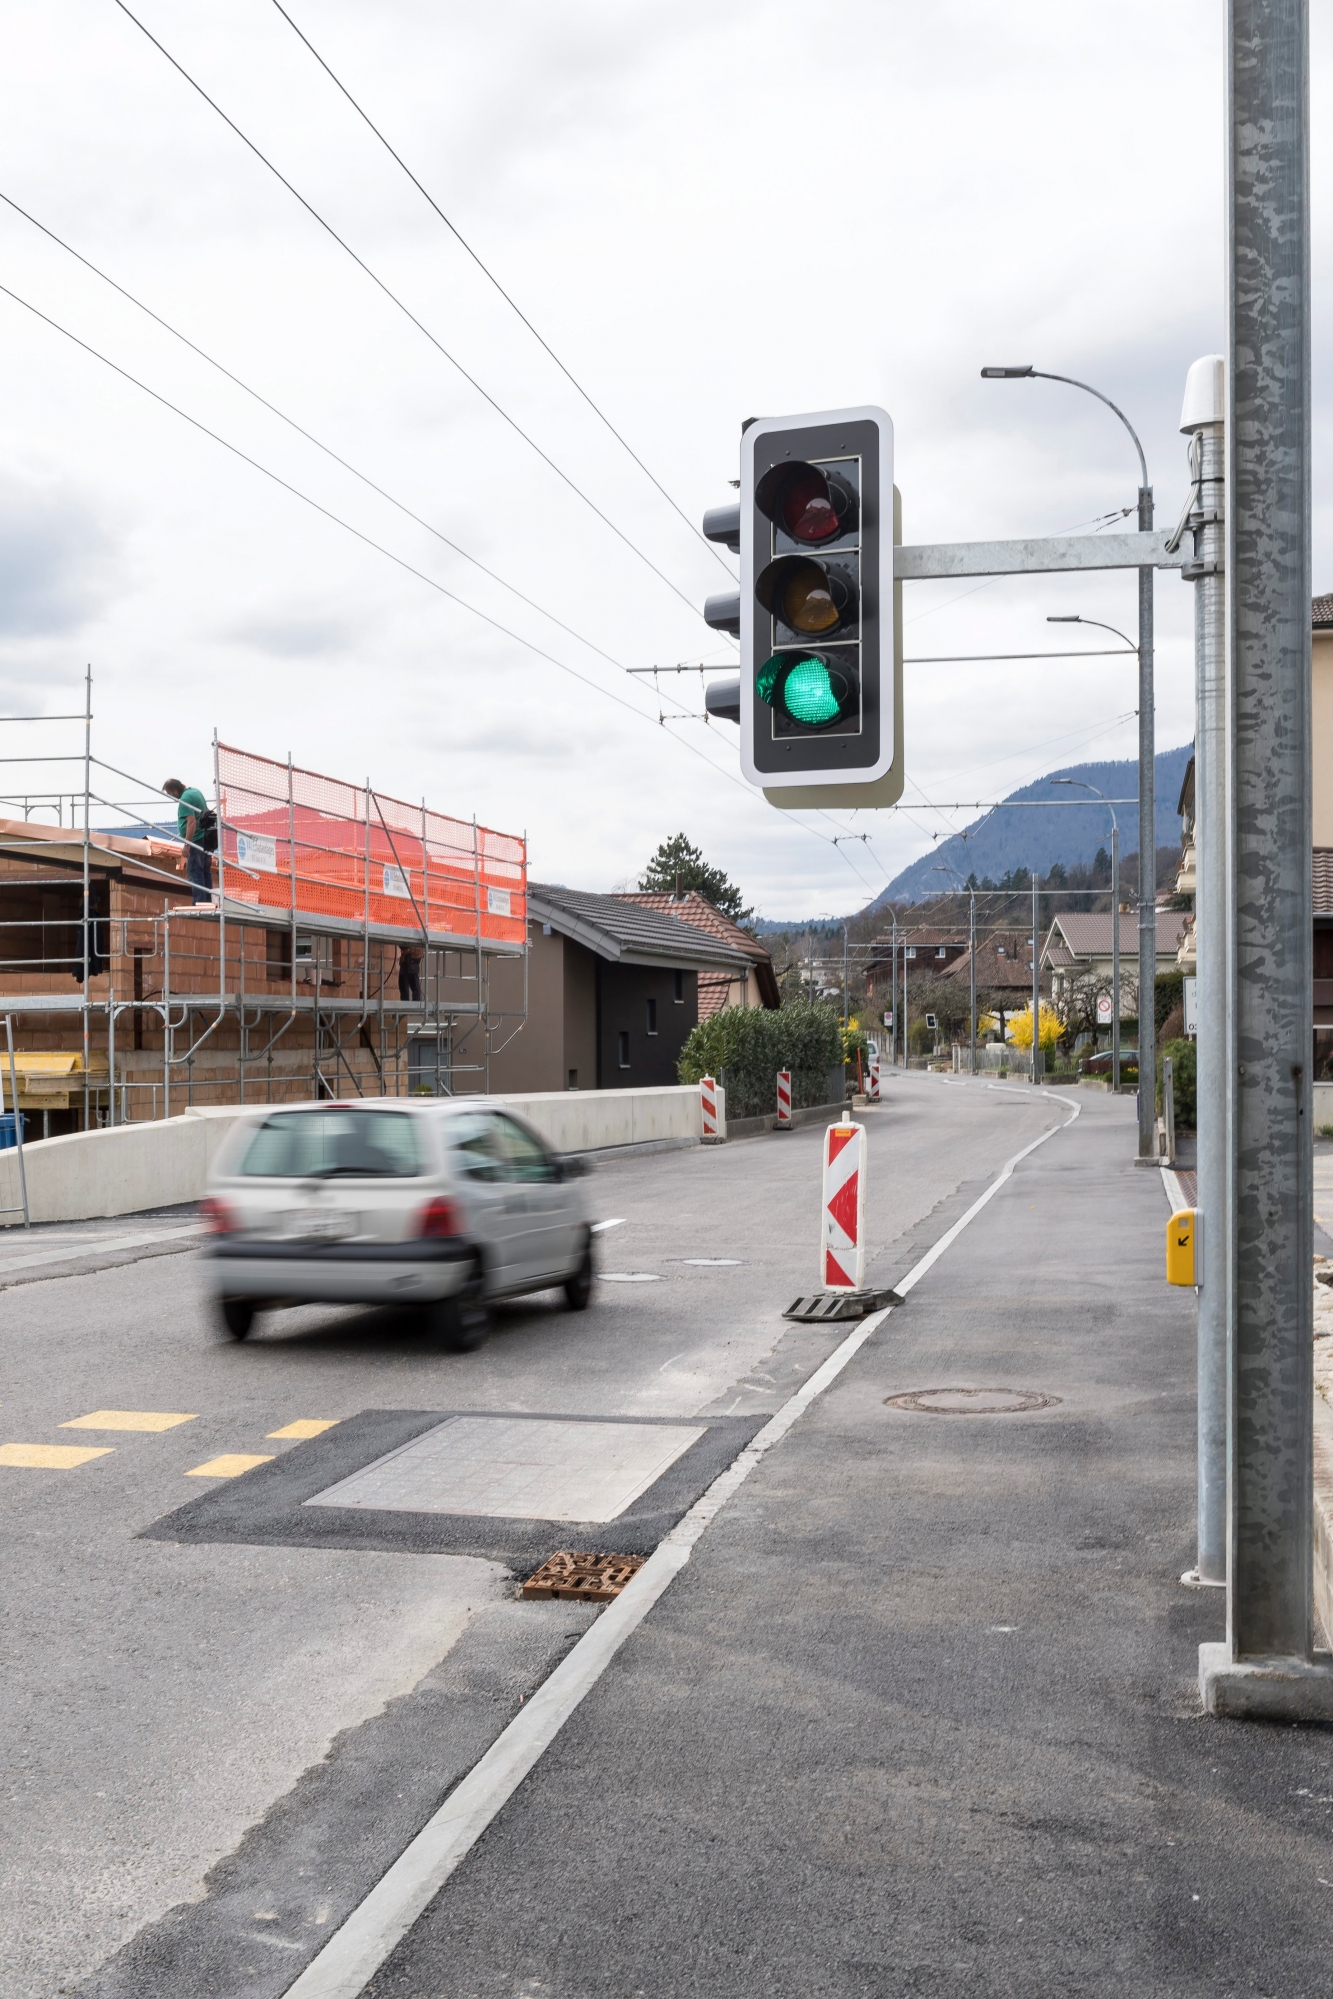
x,y
972,1401
589,1578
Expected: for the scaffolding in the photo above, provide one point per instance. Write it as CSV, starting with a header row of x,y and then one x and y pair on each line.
x,y
278,983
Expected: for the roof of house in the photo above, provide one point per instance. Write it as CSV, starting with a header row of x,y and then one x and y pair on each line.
x,y
1003,959
1323,612
1083,933
1185,802
622,931
693,908
919,937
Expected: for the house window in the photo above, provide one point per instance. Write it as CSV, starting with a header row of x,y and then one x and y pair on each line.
x,y
277,954
943,951
428,1066
678,991
652,1016
911,950
622,1044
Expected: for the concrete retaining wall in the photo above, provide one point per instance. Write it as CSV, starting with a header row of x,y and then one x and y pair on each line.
x,y
137,1166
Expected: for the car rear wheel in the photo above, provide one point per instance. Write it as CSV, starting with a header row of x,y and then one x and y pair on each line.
x,y
578,1288
462,1323
238,1316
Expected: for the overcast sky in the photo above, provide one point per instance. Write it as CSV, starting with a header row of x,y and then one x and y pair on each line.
x,y
709,211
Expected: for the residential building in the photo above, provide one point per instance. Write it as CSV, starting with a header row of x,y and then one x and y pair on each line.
x,y
1080,941
756,986
612,993
923,952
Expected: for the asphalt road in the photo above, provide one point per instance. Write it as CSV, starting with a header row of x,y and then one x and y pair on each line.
x,y
213,1750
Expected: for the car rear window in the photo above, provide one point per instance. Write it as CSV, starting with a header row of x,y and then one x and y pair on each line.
x,y
320,1145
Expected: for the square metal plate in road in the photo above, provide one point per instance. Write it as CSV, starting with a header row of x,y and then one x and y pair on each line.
x,y
518,1468
471,1495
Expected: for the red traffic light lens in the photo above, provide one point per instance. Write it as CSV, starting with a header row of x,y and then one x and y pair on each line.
x,y
806,509
804,503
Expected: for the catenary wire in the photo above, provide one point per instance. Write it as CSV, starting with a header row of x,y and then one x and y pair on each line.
x,y
490,276
309,436
398,560
406,310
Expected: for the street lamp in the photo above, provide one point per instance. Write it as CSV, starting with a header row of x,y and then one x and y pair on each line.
x,y
1147,746
942,868
1115,930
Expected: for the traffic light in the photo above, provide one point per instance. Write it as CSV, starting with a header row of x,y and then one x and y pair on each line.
x,y
819,695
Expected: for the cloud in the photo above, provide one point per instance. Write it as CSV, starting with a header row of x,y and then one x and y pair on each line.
x,y
293,636
55,558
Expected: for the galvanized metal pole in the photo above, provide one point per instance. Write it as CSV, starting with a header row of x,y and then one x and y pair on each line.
x,y
1147,857
1036,986
972,964
1203,419
1115,954
1266,1665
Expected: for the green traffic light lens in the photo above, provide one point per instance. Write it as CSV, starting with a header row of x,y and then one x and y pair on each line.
x,y
805,687
808,693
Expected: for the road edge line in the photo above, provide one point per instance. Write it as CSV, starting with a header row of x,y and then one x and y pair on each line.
x,y
357,1949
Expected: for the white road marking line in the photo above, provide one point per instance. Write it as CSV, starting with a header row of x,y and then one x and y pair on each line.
x,y
615,1222
377,1925
674,1358
628,1277
103,1246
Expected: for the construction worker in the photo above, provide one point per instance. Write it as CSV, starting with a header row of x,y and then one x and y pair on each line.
x,y
409,973
195,822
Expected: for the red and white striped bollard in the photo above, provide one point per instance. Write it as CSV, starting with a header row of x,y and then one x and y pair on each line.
x,y
784,1100
842,1231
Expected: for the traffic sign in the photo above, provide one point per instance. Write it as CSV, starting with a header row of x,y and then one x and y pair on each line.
x,y
1104,1009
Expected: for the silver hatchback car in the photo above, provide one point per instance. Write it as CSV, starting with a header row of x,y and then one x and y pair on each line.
x,y
440,1207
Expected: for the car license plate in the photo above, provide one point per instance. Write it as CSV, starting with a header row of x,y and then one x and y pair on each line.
x,y
321,1224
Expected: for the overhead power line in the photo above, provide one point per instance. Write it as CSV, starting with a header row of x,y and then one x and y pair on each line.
x,y
406,310
310,438
491,278
398,560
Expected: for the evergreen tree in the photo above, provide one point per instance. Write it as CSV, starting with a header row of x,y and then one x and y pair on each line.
x,y
679,856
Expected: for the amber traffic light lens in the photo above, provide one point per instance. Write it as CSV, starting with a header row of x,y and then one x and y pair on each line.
x,y
808,513
807,601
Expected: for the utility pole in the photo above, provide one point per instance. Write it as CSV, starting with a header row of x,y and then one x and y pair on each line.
x,y
972,965
844,975
1267,1665
1036,987
1203,420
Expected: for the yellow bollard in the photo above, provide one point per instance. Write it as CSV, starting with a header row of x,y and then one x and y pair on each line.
x,y
1182,1247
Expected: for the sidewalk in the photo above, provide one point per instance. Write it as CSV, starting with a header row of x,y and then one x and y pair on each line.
x,y
919,1717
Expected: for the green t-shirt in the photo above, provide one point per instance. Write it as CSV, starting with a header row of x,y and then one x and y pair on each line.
x,y
188,806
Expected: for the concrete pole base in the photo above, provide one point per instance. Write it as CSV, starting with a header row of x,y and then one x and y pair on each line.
x,y
1266,1689
1193,1580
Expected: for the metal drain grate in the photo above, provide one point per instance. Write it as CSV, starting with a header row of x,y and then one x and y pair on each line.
x,y
971,1401
590,1578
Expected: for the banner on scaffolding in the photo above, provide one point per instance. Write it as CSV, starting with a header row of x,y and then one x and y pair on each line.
x,y
291,838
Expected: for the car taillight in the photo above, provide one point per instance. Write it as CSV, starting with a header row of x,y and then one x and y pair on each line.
x,y
440,1218
218,1217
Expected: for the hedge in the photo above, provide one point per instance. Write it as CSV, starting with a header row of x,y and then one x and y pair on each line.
x,y
744,1047
1183,1080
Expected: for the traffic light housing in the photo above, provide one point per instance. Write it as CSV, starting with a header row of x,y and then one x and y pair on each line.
x,y
820,699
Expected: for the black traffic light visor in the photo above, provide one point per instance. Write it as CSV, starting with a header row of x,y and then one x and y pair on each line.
x,y
803,502
807,596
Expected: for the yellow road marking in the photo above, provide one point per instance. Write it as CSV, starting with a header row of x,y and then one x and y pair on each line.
x,y
49,1457
127,1419
307,1426
230,1466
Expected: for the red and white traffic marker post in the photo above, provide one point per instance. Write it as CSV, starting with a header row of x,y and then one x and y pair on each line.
x,y
842,1245
784,1100
872,1078
713,1103
842,1248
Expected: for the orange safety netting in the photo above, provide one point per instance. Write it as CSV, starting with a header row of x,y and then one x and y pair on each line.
x,y
289,838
